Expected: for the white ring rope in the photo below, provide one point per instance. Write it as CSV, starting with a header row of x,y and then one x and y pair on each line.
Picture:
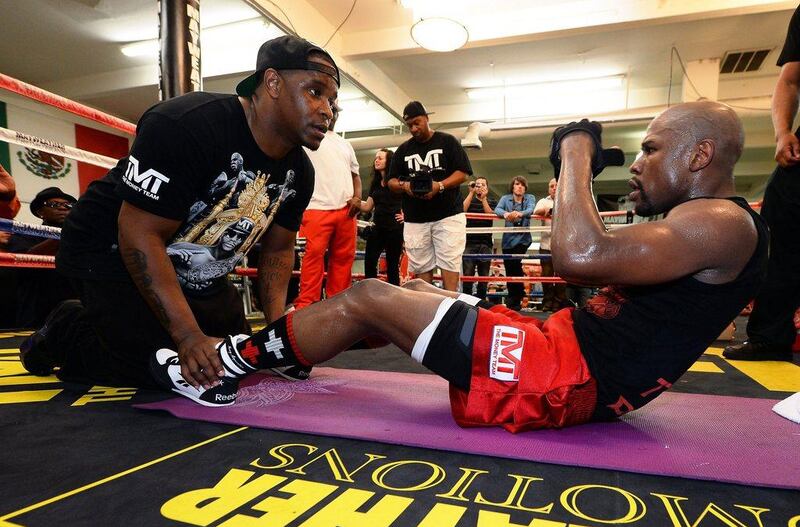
x,y
54,147
18,227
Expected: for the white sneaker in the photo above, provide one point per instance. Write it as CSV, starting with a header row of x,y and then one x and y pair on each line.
x,y
166,370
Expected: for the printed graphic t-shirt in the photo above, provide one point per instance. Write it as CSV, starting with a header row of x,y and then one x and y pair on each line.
x,y
442,151
194,159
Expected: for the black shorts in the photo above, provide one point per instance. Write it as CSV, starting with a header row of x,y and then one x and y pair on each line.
x,y
449,352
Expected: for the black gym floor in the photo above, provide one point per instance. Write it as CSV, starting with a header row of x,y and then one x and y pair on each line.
x,y
82,455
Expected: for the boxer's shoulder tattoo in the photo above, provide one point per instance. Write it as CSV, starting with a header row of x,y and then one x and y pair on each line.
x,y
136,262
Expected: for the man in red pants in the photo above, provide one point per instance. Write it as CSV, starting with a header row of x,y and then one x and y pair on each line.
x,y
624,348
329,223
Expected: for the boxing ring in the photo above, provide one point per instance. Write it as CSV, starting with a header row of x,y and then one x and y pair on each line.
x,y
401,415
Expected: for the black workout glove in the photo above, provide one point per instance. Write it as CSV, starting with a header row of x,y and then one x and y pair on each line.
x,y
602,158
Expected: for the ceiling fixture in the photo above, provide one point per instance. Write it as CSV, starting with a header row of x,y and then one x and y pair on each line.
x,y
253,29
434,27
539,89
439,34
353,103
143,48
226,48
564,97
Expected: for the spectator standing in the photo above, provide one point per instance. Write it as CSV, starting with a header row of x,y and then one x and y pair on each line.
x,y
329,223
435,225
38,291
770,328
478,201
516,208
387,216
554,295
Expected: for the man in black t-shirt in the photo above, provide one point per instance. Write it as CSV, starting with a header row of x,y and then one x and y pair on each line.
x,y
428,169
770,328
150,245
478,200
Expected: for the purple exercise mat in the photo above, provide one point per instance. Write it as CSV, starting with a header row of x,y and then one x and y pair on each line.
x,y
730,439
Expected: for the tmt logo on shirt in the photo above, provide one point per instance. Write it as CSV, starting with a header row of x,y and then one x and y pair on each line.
x,y
505,356
147,183
414,161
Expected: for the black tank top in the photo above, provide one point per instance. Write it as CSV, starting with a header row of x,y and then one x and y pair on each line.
x,y
639,340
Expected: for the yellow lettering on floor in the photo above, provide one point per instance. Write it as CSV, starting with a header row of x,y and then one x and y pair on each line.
x,y
9,351
714,351
13,374
281,511
776,376
703,366
347,510
28,396
10,334
208,505
102,394
499,519
17,380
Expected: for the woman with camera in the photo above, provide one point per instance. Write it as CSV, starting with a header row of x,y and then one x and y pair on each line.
x,y
478,200
516,208
387,233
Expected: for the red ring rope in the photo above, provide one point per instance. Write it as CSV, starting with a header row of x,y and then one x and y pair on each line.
x,y
32,92
606,214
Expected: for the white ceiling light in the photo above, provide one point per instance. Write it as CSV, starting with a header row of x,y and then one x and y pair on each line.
x,y
439,34
143,48
356,103
227,37
545,89
434,26
567,97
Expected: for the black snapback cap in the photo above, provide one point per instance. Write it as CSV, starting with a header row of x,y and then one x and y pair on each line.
x,y
286,53
414,109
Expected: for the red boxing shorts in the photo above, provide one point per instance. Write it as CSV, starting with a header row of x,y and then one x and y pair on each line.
x,y
525,375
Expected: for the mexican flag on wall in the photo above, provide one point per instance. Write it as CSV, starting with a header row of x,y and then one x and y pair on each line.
x,y
34,170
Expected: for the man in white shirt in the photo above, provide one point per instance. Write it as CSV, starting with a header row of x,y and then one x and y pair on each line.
x,y
554,295
329,221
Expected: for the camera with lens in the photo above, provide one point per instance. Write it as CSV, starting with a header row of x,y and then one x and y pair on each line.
x,y
421,181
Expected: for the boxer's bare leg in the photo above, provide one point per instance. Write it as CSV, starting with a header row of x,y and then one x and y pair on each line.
x,y
370,307
422,286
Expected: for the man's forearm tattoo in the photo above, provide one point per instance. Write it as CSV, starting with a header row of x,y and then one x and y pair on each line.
x,y
272,273
136,262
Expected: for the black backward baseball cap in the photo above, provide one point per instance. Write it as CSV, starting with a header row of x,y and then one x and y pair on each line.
x,y
414,109
286,53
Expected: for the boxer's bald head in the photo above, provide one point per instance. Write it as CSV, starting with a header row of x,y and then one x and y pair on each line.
x,y
689,151
706,120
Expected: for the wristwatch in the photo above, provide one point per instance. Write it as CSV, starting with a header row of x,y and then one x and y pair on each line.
x,y
441,187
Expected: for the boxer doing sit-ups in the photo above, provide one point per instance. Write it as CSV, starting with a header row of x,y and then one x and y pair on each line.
x,y
676,284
